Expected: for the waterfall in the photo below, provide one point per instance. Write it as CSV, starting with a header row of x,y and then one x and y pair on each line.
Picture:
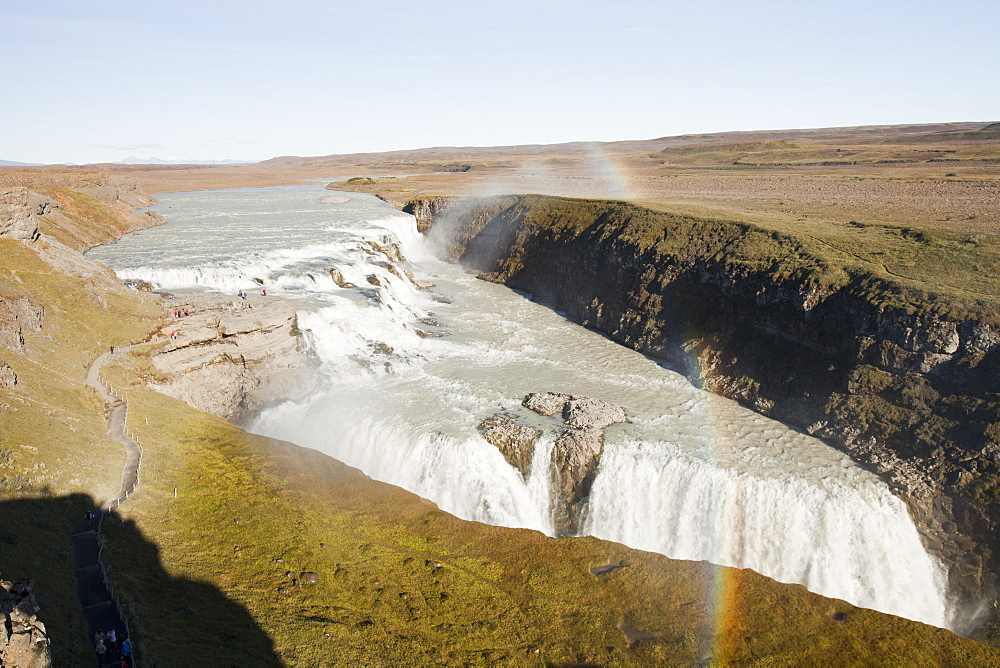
x,y
409,373
856,543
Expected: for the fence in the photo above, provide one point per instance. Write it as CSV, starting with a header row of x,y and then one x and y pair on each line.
x,y
120,499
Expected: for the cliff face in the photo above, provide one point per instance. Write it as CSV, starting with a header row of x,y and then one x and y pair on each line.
x,y
79,211
905,381
232,356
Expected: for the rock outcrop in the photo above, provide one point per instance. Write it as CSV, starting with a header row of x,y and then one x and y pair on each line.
x,y
902,379
232,356
427,209
576,452
516,442
23,641
81,211
19,211
7,376
18,315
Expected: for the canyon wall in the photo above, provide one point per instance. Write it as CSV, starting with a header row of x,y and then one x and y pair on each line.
x,y
903,379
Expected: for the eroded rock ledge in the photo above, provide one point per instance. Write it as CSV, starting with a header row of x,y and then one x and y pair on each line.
x,y
575,454
232,356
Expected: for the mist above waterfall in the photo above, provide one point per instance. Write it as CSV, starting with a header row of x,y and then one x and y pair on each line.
x,y
409,373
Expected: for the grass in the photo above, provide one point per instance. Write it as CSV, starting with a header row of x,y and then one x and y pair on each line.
x,y
58,460
400,581
784,153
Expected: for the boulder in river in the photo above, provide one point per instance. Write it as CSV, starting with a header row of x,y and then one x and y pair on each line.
x,y
577,450
515,441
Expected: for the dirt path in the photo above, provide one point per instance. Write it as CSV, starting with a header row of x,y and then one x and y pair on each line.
x,y
116,429
96,597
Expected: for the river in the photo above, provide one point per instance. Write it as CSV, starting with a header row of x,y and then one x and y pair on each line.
x,y
408,374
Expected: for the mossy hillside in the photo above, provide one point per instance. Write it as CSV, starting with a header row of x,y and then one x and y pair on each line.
x,y
399,581
56,460
53,421
91,221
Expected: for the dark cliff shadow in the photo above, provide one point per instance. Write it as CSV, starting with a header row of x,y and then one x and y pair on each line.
x,y
173,621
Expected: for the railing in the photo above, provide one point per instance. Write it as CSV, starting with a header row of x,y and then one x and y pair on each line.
x,y
107,583
119,500
123,495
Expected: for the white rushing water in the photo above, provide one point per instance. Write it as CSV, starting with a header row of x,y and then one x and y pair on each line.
x,y
692,476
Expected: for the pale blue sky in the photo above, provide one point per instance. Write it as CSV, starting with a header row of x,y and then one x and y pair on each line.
x,y
99,80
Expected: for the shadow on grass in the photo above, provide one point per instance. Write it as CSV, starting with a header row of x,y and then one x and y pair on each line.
x,y
173,621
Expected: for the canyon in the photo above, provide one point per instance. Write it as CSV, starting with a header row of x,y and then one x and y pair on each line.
x,y
902,379
897,371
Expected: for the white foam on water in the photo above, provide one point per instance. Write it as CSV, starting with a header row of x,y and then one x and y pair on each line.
x,y
693,476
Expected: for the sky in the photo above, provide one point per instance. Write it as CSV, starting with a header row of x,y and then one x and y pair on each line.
x,y
102,80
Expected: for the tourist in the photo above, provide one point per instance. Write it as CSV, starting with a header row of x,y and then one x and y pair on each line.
x,y
100,649
263,293
112,641
127,651
89,516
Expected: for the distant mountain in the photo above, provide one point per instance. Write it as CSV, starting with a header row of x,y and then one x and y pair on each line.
x,y
14,163
132,160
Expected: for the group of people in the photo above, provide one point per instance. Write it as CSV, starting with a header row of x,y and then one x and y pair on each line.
x,y
178,314
243,293
106,646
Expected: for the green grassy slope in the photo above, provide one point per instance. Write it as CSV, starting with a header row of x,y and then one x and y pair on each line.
x,y
399,581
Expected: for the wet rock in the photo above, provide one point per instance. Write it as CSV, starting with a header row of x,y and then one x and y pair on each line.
x,y
338,278
577,450
515,442
381,348
373,279
388,248
137,284
587,413
424,334
546,403
423,285
575,457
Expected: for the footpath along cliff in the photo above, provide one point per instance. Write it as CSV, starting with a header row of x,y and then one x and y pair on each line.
x,y
902,378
